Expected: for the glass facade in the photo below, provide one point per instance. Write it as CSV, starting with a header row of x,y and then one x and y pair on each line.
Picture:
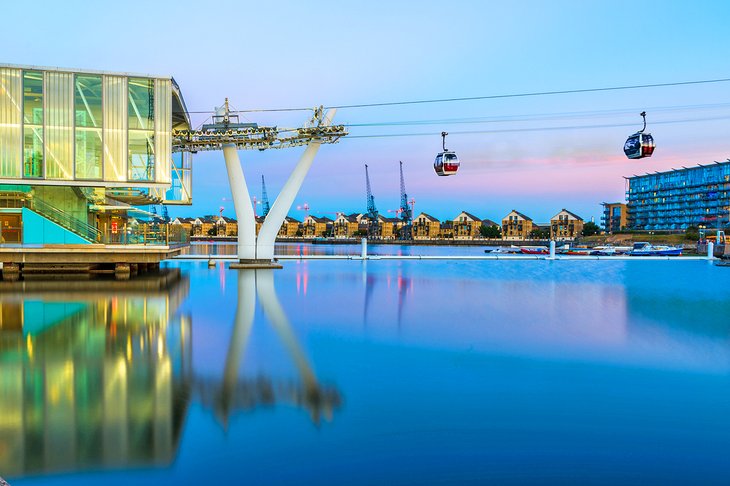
x,y
677,199
33,124
62,125
88,117
115,128
11,121
141,113
58,130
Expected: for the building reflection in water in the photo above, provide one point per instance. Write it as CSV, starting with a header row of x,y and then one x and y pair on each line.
x,y
93,374
99,374
234,393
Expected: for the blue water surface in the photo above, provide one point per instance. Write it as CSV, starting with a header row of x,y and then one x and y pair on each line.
x,y
381,372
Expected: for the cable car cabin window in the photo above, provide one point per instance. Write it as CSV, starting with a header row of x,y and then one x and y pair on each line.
x,y
439,161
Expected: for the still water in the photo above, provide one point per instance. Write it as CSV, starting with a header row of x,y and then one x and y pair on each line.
x,y
384,372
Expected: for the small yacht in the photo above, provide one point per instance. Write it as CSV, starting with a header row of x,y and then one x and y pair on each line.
x,y
643,248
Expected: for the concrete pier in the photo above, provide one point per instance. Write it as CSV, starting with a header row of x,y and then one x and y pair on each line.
x,y
82,261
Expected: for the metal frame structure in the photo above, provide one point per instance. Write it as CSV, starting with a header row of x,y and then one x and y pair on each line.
x,y
230,137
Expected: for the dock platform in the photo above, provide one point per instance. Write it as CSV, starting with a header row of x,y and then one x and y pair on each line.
x,y
82,261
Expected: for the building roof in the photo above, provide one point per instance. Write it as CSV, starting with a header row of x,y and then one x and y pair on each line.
x,y
489,222
289,219
683,169
569,214
28,67
518,214
428,217
468,215
318,219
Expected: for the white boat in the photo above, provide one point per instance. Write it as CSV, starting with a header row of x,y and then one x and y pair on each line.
x,y
643,248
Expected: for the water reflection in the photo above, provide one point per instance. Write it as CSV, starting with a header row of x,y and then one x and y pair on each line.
x,y
232,393
92,376
100,375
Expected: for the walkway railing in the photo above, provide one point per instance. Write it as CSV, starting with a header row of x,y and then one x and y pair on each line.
x,y
64,219
148,234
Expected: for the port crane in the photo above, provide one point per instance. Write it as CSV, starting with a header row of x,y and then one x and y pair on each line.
x,y
405,211
372,211
265,207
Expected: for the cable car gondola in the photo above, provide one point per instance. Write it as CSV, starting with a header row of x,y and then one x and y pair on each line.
x,y
640,144
446,163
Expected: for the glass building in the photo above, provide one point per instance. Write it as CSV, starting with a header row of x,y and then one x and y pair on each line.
x,y
82,147
677,199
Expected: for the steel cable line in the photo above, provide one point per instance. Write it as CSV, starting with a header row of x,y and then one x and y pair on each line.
x,y
538,117
537,129
487,97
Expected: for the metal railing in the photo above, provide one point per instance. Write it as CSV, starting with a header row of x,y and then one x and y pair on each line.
x,y
148,234
64,219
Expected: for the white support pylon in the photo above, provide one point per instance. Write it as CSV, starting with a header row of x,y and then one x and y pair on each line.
x,y
241,203
285,199
243,322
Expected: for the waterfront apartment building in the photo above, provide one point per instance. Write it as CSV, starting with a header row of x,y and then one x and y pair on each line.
x,y
226,226
565,226
83,152
614,217
289,228
677,199
346,226
426,227
389,227
315,227
466,226
516,226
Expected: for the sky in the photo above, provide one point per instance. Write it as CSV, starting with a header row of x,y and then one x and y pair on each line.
x,y
304,54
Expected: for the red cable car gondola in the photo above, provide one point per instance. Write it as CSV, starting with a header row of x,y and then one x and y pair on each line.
x,y
446,163
640,144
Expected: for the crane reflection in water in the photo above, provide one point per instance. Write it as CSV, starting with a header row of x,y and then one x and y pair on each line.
x,y
99,374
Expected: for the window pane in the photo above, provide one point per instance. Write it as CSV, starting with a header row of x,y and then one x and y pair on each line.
x,y
88,101
88,153
88,116
59,122
141,103
32,152
33,98
141,155
115,128
11,122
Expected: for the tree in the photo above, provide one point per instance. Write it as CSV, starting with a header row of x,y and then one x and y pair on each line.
x,y
692,233
212,231
591,228
540,234
490,231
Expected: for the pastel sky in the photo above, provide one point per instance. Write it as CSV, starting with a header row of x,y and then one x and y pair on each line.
x,y
296,53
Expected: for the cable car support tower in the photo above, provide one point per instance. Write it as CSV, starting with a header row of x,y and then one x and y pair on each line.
x,y
228,135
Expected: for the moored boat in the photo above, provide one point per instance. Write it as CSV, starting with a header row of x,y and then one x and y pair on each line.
x,y
534,250
610,250
644,248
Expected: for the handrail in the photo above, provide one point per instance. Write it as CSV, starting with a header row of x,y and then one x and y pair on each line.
x,y
64,219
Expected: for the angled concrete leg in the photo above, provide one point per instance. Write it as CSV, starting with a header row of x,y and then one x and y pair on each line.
x,y
242,204
242,324
283,203
315,401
